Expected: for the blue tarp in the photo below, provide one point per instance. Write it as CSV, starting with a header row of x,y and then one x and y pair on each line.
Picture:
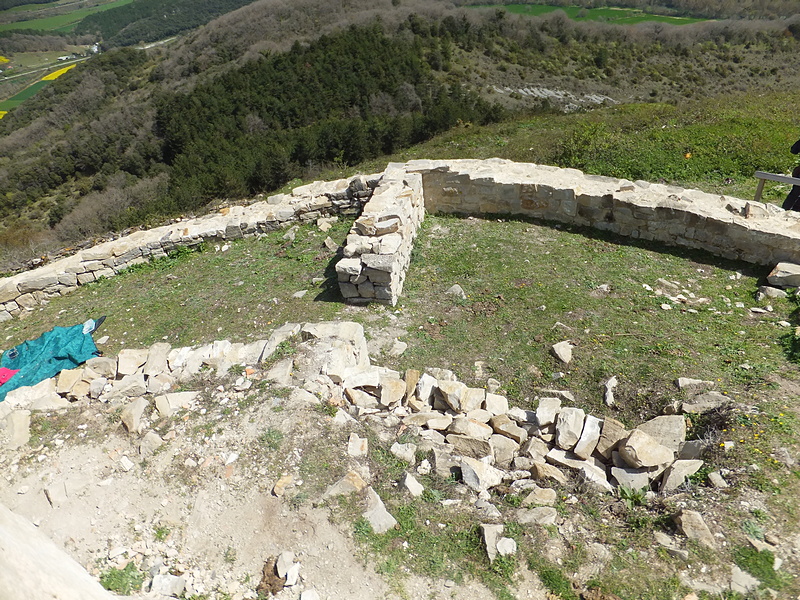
x,y
59,349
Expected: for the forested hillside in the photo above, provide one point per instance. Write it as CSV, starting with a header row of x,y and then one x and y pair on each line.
x,y
151,20
276,91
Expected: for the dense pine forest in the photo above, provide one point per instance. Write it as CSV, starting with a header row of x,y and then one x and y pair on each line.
x,y
276,91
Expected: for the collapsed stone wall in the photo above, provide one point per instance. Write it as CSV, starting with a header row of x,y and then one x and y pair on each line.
x,y
29,289
379,245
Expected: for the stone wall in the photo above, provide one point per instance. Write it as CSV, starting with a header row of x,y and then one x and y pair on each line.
x,y
379,244
723,225
29,289
378,248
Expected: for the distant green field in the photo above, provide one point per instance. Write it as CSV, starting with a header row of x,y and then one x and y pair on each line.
x,y
24,7
63,23
18,99
617,16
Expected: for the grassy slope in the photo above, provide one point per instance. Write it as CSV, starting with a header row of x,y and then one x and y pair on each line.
x,y
619,16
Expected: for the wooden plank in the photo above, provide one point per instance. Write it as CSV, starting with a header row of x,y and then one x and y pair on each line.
x,y
762,176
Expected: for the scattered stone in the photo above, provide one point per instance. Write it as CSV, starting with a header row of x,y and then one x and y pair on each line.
x,y
705,403
270,583
356,446
503,425
506,546
590,436
376,513
545,471
352,482
18,429
540,496
471,447
635,479
412,486
503,449
279,489
126,464
716,480
491,535
56,493
562,351
456,291
496,404
150,443
478,475
742,582
785,275
132,415
470,428
404,452
309,595
693,526
693,449
547,411
608,391
168,585
541,515
693,386
284,563
677,473
667,430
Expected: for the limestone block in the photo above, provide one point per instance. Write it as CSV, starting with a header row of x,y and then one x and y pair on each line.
x,y
465,426
468,446
569,425
613,431
547,411
452,392
667,430
156,362
496,404
130,360
590,436
641,450
504,449
34,567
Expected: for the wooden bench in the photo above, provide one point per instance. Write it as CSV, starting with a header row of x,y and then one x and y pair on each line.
x,y
762,177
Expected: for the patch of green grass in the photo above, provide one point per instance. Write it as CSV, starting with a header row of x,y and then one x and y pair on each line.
x,y
122,581
229,556
760,565
193,298
619,16
552,577
271,438
161,533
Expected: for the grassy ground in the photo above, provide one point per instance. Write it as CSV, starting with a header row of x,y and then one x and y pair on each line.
x,y
620,16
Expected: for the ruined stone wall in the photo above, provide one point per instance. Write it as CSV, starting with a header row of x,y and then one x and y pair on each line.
x,y
379,244
29,289
378,248
723,225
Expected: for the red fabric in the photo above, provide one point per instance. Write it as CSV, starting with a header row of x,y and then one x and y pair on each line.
x,y
6,374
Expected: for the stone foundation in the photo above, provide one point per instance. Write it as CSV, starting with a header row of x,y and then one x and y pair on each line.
x,y
29,289
379,246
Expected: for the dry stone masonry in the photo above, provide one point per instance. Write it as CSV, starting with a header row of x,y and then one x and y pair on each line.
x,y
378,248
379,245
318,200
